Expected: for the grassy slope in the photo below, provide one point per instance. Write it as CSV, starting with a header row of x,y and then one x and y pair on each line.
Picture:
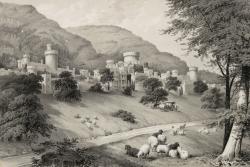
x,y
102,105
202,148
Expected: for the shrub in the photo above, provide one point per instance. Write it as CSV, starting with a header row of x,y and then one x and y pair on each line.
x,y
127,91
200,87
125,116
107,133
96,88
212,99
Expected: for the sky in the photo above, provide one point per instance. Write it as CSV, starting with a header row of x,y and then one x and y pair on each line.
x,y
145,18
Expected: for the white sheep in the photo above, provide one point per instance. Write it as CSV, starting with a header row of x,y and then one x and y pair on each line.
x,y
83,121
182,153
144,150
88,125
162,149
180,132
204,131
173,153
162,139
153,142
94,122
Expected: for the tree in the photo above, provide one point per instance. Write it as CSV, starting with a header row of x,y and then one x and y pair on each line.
x,y
218,30
172,83
107,76
22,116
155,97
200,87
66,88
24,84
138,68
25,119
6,96
212,99
151,84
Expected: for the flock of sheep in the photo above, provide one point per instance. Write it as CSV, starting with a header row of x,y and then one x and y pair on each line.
x,y
157,143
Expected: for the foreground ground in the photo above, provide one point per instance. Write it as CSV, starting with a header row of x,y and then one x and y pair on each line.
x,y
149,120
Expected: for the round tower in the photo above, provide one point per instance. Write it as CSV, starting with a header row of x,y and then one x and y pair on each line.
x,y
51,58
193,73
131,57
110,63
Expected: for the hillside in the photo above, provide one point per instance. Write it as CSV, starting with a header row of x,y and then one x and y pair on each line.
x,y
24,30
113,41
103,105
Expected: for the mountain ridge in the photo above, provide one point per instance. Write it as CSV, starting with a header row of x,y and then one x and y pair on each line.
x,y
114,40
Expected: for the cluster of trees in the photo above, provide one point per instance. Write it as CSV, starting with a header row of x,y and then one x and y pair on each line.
x,y
172,83
219,30
22,115
66,88
154,92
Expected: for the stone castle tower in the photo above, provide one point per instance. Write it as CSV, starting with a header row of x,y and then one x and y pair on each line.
x,y
193,74
51,59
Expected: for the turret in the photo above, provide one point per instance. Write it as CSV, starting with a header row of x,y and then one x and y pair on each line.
x,y
51,58
193,73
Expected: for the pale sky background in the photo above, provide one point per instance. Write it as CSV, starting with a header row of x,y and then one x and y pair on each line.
x,y
145,18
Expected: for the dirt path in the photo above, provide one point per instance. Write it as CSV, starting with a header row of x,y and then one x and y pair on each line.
x,y
25,160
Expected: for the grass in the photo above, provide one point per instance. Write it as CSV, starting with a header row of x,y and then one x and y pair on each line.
x,y
103,105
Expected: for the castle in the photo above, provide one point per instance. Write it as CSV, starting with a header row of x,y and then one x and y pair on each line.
x,y
123,71
125,74
50,65
47,69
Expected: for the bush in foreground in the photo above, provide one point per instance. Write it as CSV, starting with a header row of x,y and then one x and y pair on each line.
x,y
125,116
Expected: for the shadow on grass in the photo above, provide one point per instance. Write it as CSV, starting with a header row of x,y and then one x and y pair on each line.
x,y
107,158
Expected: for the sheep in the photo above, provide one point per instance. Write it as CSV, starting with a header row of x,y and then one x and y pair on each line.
x,y
182,153
162,149
182,126
88,125
162,139
173,153
153,142
131,151
204,131
144,150
174,146
94,122
180,132
83,121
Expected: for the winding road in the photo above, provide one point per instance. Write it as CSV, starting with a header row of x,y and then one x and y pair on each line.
x,y
25,160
